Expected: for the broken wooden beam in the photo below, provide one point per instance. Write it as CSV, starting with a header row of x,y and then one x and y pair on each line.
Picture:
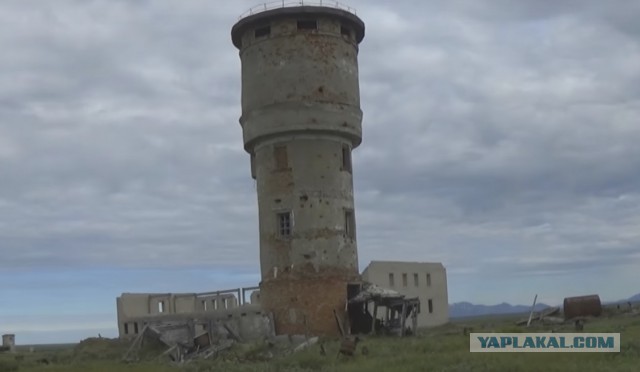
x,y
339,322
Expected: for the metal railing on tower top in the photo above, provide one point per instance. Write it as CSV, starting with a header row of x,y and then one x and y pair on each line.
x,y
288,4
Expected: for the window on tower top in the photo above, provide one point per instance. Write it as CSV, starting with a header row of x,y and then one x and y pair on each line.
x,y
262,32
307,25
344,31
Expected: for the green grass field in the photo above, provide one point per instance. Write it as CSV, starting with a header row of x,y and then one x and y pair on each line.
x,y
441,349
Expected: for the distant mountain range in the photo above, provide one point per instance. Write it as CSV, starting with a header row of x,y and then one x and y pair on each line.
x,y
635,298
467,309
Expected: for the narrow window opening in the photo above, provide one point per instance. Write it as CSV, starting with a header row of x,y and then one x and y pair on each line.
x,y
204,305
346,158
126,328
226,303
404,280
215,304
253,166
391,280
135,328
415,280
307,25
281,157
262,32
428,280
430,306
284,224
349,224
161,306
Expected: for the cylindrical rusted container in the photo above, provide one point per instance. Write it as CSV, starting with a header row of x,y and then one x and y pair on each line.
x,y
582,306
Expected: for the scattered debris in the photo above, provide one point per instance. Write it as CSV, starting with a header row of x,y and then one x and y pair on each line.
x,y
186,339
552,320
306,344
348,346
542,316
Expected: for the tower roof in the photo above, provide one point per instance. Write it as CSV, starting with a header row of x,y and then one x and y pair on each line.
x,y
261,17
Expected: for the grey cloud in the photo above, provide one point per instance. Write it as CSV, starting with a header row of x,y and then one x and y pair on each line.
x,y
491,128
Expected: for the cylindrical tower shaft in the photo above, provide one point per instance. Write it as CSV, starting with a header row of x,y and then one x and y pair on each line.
x,y
301,118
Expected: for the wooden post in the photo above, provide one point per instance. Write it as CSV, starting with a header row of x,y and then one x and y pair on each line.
x,y
403,317
339,322
414,318
387,316
373,320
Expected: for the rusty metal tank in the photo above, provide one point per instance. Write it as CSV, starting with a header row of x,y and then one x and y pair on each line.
x,y
582,306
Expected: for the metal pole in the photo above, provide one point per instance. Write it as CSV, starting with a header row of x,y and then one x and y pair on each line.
x,y
532,307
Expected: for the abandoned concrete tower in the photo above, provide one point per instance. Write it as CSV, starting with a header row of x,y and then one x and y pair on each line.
x,y
301,119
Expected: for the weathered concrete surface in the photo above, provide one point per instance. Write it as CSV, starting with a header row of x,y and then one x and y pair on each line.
x,y
300,91
317,193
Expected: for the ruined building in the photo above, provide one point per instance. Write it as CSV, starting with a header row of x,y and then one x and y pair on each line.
x,y
301,119
426,281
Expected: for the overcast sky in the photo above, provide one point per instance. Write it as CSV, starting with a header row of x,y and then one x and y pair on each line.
x,y
501,138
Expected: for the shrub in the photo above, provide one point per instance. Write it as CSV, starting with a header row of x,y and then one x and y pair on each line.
x,y
9,366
